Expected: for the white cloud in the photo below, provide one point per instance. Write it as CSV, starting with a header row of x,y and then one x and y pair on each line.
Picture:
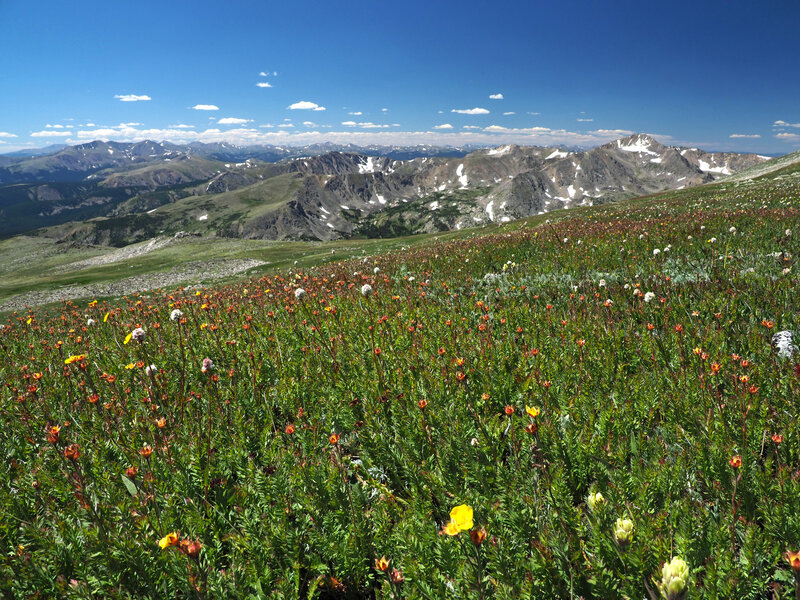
x,y
470,127
744,135
584,120
262,74
264,84
244,136
443,126
496,96
205,107
51,133
233,121
358,113
178,126
470,111
285,125
785,124
131,98
384,110
88,125
364,125
48,126
5,134
310,124
511,112
788,136
529,130
534,113
305,105
616,132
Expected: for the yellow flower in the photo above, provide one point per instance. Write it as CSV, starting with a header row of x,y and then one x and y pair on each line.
x,y
93,303
533,411
451,528
28,322
623,531
127,338
129,366
105,318
461,516
168,540
74,358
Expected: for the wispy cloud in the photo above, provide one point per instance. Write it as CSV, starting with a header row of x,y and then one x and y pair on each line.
x,y
310,124
57,126
744,135
495,96
581,120
178,126
357,113
470,127
367,125
305,105
205,107
132,98
614,132
790,137
785,124
233,121
443,126
470,111
511,112
50,133
6,134
384,110
264,84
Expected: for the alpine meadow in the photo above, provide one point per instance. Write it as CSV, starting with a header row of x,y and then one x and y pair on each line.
x,y
379,301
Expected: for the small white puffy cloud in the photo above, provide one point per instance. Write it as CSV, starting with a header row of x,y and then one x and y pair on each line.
x,y
305,105
48,126
310,124
526,130
366,125
6,134
785,124
264,84
470,127
443,126
285,125
262,74
132,98
384,110
744,135
495,96
511,112
584,120
617,132
357,113
233,121
51,133
205,107
788,136
178,126
470,111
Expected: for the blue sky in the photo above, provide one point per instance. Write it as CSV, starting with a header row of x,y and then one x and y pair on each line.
x,y
718,75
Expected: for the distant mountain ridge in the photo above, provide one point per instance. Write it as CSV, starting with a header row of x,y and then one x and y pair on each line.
x,y
129,192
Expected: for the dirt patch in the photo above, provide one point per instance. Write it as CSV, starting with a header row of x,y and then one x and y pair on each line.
x,y
188,274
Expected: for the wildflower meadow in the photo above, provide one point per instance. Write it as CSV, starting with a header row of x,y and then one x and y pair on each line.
x,y
583,405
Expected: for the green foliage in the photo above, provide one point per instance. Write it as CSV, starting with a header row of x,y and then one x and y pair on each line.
x,y
516,373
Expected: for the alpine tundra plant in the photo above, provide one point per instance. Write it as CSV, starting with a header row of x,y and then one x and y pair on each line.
x,y
549,409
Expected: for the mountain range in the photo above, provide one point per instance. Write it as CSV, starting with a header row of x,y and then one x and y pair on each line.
x,y
117,193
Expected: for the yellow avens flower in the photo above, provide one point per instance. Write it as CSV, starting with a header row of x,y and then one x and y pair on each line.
x,y
129,366
168,540
461,516
105,318
74,358
127,338
451,528
532,411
